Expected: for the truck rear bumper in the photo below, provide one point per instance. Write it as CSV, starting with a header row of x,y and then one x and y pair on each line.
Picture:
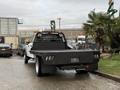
x,y
87,67
74,67
70,58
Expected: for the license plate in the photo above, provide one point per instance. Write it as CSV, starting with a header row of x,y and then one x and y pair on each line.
x,y
3,49
74,60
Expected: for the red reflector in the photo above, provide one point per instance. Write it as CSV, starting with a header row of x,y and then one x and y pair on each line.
x,y
87,66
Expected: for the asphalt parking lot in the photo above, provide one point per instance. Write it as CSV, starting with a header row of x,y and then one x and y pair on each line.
x,y
15,75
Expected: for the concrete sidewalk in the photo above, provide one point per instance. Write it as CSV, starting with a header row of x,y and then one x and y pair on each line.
x,y
109,76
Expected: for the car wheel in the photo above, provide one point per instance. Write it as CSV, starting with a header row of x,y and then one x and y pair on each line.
x,y
26,59
11,54
22,54
7,55
38,67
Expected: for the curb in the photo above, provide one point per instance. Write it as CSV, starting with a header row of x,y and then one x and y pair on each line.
x,y
112,77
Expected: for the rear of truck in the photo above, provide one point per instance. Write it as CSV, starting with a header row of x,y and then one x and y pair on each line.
x,y
51,52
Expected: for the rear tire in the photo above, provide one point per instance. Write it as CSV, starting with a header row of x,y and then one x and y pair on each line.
x,y
23,53
42,69
38,67
10,55
26,59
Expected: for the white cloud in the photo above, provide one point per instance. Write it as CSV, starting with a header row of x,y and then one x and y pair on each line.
x,y
39,12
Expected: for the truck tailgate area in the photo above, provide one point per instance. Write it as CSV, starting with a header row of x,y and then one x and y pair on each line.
x,y
66,57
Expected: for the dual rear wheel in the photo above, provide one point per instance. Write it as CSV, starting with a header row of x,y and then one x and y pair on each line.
x,y
38,67
42,69
26,59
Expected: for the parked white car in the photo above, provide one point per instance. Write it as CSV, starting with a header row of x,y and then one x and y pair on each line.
x,y
71,44
28,55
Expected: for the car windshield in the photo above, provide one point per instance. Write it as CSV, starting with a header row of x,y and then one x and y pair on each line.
x,y
49,38
81,39
4,46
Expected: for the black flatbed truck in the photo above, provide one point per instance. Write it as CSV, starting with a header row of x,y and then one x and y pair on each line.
x,y
51,52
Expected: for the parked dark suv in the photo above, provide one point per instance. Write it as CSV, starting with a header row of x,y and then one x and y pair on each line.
x,y
5,50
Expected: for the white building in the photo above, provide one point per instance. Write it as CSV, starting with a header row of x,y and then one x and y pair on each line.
x,y
8,31
8,26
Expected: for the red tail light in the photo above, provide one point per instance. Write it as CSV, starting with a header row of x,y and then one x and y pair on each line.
x,y
87,66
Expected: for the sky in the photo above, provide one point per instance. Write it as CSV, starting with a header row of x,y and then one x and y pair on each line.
x,y
38,13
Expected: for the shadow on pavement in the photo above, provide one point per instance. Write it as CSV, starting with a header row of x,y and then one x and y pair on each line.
x,y
60,75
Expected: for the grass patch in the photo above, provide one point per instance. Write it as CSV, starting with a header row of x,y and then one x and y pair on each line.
x,y
110,65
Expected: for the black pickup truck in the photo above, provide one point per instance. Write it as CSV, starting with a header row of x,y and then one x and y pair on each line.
x,y
51,53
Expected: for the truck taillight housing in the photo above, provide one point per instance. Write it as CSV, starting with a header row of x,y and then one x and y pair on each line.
x,y
97,54
87,66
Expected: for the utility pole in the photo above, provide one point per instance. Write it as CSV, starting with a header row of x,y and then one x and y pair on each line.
x,y
119,12
59,20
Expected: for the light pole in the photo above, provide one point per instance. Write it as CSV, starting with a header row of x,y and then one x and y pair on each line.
x,y
59,20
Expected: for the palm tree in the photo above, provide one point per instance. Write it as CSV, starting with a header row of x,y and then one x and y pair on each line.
x,y
96,26
102,28
116,33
